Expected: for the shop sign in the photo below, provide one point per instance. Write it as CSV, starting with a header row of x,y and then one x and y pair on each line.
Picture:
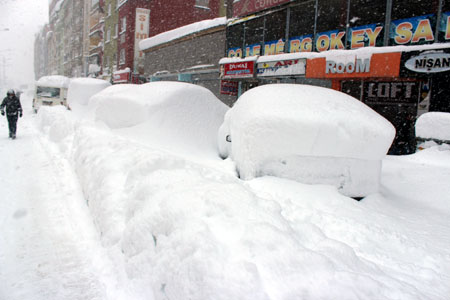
x,y
429,63
274,47
364,36
121,77
282,68
391,92
238,70
444,25
253,50
386,65
142,31
301,44
235,52
359,66
246,7
228,87
413,30
330,40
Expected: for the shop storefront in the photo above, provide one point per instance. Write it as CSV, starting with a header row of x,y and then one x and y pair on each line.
x,y
398,85
241,75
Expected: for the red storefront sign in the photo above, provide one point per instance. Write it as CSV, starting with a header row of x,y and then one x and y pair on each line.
x,y
379,65
121,77
246,7
239,70
229,87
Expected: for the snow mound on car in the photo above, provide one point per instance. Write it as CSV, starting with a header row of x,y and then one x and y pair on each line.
x,y
82,89
172,115
307,133
434,125
55,81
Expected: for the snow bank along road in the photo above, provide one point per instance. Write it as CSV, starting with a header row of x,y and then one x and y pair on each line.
x,y
49,248
159,226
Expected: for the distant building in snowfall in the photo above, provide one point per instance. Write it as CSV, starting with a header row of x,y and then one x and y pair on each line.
x,y
99,37
140,19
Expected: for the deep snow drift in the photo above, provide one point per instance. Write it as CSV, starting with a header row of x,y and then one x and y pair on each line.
x,y
434,125
309,134
179,117
82,89
175,228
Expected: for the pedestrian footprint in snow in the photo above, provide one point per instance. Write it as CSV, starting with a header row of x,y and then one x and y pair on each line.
x,y
13,111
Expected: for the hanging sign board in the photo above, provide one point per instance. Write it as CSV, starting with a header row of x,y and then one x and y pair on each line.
x,y
121,77
228,87
238,70
429,63
282,68
393,92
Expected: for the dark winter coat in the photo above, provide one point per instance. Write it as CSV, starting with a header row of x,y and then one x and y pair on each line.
x,y
12,106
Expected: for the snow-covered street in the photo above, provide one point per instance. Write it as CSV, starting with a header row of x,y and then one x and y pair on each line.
x,y
89,212
49,248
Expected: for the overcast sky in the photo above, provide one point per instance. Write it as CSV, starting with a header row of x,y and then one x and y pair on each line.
x,y
20,20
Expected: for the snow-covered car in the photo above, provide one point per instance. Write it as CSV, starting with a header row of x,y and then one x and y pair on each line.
x,y
82,89
50,91
432,129
176,116
309,134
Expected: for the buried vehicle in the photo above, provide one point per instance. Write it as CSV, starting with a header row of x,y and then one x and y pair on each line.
x,y
309,134
50,91
433,129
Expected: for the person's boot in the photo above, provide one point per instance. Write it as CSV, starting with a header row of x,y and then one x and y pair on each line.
x,y
10,135
13,136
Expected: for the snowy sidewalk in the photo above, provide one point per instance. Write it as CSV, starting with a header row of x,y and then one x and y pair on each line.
x,y
49,248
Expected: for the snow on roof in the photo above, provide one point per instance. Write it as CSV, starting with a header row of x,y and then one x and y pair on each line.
x,y
57,81
181,32
229,60
337,55
434,125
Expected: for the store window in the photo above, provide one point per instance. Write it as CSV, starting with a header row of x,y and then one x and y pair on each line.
x,y
331,15
122,56
235,39
275,26
403,9
301,21
202,3
363,12
123,24
254,36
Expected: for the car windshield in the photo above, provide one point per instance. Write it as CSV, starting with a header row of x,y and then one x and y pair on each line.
x,y
47,92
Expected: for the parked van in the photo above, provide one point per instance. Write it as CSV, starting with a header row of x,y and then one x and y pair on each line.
x,y
50,90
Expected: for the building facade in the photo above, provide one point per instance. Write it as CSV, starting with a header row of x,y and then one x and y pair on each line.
x,y
96,31
391,55
140,19
110,36
134,26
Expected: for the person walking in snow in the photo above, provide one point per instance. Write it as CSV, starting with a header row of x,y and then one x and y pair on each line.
x,y
13,111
